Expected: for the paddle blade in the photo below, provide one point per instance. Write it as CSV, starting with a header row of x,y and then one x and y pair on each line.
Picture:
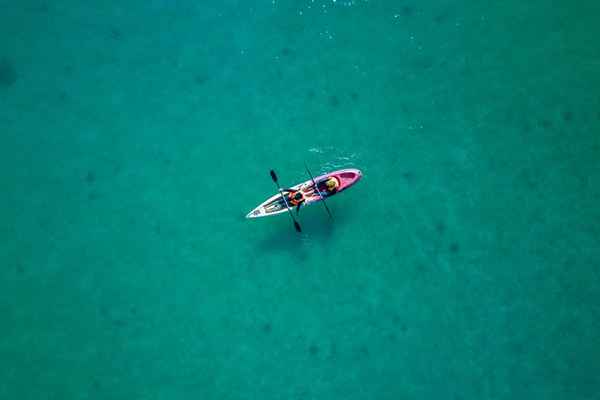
x,y
297,226
273,176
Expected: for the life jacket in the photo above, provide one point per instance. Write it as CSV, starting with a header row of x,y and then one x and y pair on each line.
x,y
292,198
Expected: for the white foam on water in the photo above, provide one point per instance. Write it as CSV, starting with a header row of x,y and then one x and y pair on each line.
x,y
334,158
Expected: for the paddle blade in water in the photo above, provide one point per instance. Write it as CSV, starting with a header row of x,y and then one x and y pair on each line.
x,y
273,176
297,226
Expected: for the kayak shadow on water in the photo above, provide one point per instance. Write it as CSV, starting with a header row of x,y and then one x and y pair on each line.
x,y
317,230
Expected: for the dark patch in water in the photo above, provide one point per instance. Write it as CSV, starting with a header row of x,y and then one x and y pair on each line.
x,y
8,73
442,17
119,323
334,101
266,327
397,321
546,124
63,97
423,63
407,11
567,116
90,177
19,268
68,70
200,79
363,350
408,176
440,227
116,34
454,248
313,350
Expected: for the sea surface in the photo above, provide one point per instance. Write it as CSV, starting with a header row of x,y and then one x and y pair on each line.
x,y
136,135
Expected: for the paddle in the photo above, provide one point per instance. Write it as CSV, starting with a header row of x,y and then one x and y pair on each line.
x,y
317,189
296,224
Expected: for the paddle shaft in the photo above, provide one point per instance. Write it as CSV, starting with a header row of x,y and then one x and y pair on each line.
x,y
318,191
296,224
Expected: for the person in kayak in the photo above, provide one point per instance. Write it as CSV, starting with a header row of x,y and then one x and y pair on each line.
x,y
331,185
297,198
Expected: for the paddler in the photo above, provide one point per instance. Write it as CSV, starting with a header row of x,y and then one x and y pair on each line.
x,y
332,185
329,186
297,197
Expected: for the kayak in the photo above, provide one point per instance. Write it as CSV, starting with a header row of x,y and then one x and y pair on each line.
x,y
276,205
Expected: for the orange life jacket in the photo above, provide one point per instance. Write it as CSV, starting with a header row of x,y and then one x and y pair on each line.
x,y
292,198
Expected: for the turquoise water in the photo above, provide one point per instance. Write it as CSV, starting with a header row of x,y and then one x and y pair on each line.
x,y
135,136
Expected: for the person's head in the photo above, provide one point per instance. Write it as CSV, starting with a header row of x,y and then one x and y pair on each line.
x,y
298,196
332,184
